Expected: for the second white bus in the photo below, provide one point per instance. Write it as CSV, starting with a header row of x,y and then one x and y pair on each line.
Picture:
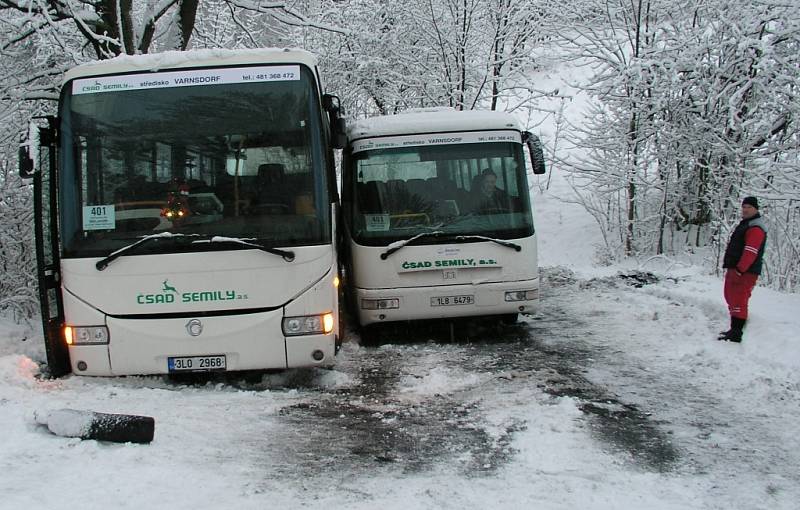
x,y
438,217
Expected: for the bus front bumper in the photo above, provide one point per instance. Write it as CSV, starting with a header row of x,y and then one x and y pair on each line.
x,y
241,342
441,302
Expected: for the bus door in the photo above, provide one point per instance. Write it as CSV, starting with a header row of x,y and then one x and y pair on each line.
x,y
38,160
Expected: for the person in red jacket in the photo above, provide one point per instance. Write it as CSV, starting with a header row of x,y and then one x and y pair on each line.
x,y
742,263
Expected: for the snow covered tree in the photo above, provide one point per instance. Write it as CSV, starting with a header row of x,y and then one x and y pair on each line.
x,y
459,53
695,107
109,27
18,290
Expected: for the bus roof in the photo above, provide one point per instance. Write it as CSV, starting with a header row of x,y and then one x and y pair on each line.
x,y
431,120
189,59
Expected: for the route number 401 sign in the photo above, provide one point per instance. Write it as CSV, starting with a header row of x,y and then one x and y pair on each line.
x,y
98,217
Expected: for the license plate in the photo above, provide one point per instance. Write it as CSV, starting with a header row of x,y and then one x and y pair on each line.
x,y
196,363
452,300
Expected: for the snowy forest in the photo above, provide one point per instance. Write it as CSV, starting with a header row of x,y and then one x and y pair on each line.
x,y
693,103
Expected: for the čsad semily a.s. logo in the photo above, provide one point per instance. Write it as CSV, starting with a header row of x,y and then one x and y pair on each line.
x,y
169,294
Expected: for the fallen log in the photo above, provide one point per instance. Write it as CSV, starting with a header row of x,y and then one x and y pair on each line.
x,y
117,428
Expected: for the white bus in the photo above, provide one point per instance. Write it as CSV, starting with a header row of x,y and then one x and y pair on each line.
x,y
196,208
438,220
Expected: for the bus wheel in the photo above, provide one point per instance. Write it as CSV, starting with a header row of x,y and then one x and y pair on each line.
x,y
370,335
509,318
58,364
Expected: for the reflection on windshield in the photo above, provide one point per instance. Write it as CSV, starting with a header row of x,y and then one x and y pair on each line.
x,y
478,188
241,160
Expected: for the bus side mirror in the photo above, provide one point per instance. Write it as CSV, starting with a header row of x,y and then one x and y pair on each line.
x,y
536,152
339,133
333,106
29,152
330,103
27,164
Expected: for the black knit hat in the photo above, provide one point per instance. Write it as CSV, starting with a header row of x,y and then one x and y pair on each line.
x,y
750,201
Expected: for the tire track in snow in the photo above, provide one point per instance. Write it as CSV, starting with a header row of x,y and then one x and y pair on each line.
x,y
375,424
731,430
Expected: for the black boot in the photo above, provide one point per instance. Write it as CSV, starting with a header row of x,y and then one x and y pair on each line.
x,y
724,335
737,328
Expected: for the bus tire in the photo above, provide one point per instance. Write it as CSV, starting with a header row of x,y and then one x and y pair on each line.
x,y
370,335
509,318
56,351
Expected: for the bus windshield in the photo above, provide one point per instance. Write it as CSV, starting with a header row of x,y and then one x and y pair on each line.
x,y
460,189
220,157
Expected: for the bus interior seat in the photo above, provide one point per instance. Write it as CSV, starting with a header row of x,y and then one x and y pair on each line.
x,y
270,174
420,188
301,186
397,198
369,197
272,191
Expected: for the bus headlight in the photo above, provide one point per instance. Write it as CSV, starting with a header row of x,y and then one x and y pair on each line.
x,y
522,295
308,325
380,304
86,335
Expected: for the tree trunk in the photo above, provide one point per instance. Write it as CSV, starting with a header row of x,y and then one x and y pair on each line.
x,y
633,135
188,12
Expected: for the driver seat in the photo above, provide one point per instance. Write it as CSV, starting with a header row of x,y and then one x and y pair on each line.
x,y
272,190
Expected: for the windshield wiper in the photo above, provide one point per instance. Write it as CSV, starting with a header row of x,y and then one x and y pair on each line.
x,y
103,263
287,255
398,245
501,242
